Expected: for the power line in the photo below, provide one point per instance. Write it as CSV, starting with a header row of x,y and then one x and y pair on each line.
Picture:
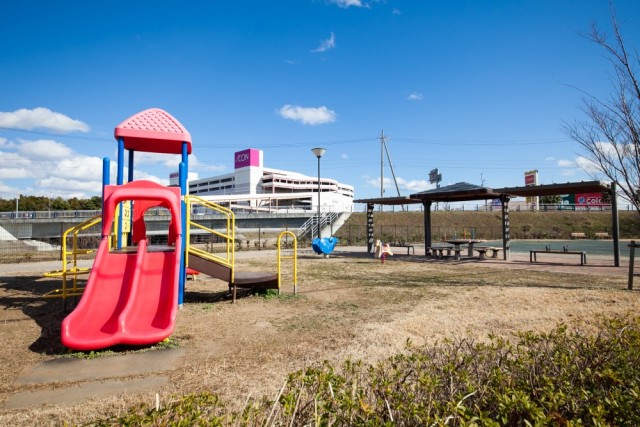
x,y
426,141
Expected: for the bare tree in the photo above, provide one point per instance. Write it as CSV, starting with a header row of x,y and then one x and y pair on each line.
x,y
610,133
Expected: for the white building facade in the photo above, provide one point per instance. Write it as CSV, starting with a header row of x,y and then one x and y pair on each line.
x,y
254,187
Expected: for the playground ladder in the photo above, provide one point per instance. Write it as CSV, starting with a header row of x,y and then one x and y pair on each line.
x,y
70,261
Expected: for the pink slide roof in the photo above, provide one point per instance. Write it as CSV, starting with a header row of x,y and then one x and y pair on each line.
x,y
154,131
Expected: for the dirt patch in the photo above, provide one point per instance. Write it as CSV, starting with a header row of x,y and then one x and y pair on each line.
x,y
348,306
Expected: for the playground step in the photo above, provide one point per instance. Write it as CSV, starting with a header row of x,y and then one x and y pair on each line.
x,y
247,279
210,268
242,279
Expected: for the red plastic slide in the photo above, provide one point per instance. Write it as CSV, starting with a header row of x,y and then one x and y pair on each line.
x,y
131,296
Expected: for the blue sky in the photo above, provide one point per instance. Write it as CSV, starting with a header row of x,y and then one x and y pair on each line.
x,y
477,89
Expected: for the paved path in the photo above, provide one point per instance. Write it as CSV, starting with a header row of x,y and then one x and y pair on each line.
x,y
69,381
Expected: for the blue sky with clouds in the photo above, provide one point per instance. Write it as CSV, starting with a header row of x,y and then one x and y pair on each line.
x,y
479,90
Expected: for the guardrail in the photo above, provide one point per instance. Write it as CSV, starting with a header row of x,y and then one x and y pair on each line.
x,y
358,207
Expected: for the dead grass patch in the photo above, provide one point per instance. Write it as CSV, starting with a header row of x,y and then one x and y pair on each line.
x,y
349,306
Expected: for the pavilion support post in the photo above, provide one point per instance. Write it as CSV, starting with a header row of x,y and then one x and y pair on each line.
x,y
370,228
426,204
615,225
506,228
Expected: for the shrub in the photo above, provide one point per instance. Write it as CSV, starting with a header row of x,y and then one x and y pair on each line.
x,y
563,377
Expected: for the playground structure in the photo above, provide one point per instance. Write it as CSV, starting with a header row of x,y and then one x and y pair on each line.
x,y
324,245
135,288
382,250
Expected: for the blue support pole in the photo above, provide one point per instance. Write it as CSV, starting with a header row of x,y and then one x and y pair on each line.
x,y
183,219
120,181
130,171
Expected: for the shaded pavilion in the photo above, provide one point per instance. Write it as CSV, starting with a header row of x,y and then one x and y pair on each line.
x,y
463,192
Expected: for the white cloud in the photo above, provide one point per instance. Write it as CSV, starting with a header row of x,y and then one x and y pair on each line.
x,y
8,191
14,173
172,161
327,44
44,149
587,165
308,115
414,185
415,96
69,186
168,160
47,167
41,118
395,11
149,177
80,167
549,159
410,186
566,163
344,156
348,3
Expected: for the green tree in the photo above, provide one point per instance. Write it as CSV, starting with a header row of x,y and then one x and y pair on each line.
x,y
551,200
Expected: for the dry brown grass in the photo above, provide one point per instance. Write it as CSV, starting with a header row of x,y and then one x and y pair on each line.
x,y
349,306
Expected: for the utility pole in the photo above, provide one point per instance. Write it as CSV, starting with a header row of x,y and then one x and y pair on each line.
x,y
382,139
384,149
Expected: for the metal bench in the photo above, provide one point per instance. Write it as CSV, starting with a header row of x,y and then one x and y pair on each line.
x,y
404,245
533,254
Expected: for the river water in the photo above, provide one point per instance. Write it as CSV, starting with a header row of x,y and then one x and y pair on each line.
x,y
594,247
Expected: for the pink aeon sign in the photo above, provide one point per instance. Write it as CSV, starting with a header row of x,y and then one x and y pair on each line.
x,y
248,157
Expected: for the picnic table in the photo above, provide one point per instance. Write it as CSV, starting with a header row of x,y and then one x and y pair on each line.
x,y
458,243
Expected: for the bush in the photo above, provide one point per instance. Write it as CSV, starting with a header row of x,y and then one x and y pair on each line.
x,y
558,378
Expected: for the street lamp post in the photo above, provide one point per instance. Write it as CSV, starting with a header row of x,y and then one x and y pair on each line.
x,y
318,152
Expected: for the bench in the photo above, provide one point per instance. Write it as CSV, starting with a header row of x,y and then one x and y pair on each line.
x,y
602,235
533,253
438,251
404,245
482,251
578,235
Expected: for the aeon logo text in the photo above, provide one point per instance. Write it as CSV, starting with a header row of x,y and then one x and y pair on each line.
x,y
245,158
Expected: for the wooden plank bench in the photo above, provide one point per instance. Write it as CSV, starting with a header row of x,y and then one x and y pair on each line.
x,y
578,235
533,254
404,245
482,251
601,235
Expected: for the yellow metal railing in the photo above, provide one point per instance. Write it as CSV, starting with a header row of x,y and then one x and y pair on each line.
x,y
70,261
293,256
229,236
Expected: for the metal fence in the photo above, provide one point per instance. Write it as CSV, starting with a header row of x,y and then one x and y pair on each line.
x,y
358,207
